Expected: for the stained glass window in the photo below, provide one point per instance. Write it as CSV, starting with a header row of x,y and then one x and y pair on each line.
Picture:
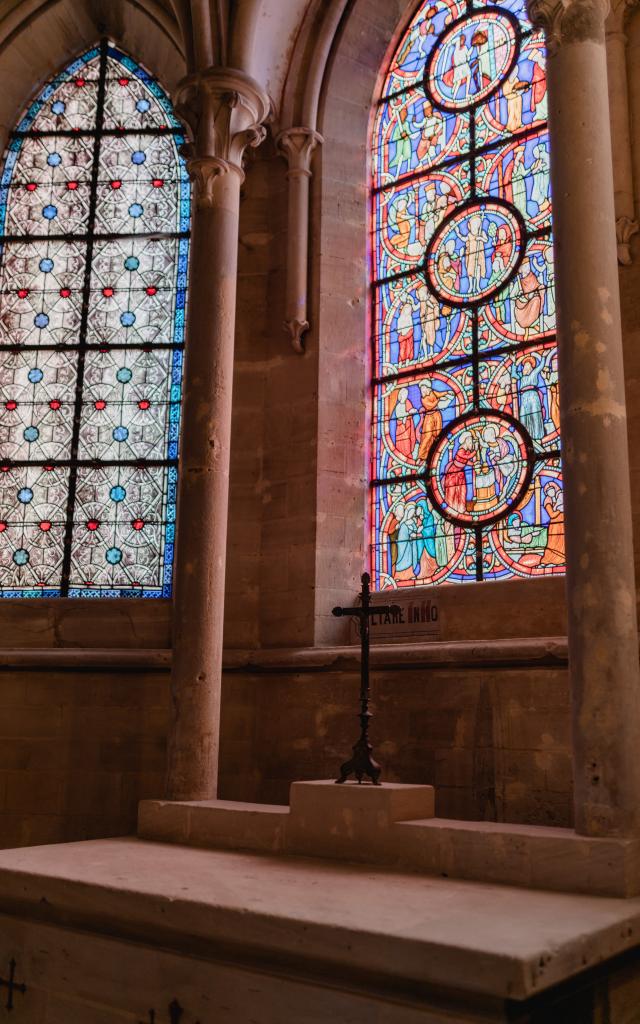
x,y
94,216
466,479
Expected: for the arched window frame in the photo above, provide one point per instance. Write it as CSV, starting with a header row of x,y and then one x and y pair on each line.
x,y
167,463
340,319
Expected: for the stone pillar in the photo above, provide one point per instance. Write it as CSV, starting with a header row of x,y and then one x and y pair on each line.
x,y
224,109
603,638
617,73
297,145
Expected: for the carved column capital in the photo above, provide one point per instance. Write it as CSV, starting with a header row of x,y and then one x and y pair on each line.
x,y
297,145
618,16
224,110
569,21
626,228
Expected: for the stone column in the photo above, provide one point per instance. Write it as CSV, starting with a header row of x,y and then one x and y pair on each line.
x,y
617,72
224,109
297,145
603,638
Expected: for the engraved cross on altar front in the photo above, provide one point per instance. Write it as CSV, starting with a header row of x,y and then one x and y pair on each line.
x,y
12,985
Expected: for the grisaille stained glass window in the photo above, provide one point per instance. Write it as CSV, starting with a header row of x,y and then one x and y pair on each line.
x,y
466,476
94,209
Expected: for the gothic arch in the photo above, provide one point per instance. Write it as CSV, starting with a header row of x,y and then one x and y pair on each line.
x,y
368,35
38,39
33,49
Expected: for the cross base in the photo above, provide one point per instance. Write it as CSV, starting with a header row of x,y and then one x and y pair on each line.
x,y
361,764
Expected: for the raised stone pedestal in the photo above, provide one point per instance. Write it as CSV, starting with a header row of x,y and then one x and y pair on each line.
x,y
394,825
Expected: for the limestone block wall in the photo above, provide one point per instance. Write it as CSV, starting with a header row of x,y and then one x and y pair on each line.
x,y
494,740
79,747
78,750
84,716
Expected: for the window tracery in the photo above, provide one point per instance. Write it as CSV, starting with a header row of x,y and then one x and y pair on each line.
x,y
466,476
94,216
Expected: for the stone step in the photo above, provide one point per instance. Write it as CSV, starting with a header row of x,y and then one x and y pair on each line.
x,y
393,825
217,824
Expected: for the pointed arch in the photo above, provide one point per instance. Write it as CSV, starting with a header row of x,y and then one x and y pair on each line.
x,y
94,214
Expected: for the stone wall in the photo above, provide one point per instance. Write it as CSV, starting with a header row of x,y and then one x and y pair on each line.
x,y
493,737
78,750
80,746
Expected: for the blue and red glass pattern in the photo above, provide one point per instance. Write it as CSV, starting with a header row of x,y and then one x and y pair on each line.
x,y
465,467
94,215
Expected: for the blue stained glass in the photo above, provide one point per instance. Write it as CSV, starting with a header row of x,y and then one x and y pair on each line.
x,y
465,427
90,369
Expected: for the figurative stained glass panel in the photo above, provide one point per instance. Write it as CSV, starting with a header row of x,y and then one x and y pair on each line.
x,y
466,475
94,215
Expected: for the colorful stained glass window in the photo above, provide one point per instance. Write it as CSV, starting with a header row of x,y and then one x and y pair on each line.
x,y
466,479
94,216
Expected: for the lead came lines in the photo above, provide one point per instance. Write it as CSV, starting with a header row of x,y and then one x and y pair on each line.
x,y
473,58
14,179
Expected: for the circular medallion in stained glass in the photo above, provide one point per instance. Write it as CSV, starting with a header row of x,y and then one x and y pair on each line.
x,y
479,468
471,59
475,252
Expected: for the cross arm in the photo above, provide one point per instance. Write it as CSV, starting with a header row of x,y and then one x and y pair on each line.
x,y
378,609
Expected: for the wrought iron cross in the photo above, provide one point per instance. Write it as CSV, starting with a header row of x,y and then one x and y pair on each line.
x,y
12,985
362,762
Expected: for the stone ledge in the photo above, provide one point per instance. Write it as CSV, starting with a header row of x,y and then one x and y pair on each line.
x,y
222,824
393,825
550,652
522,652
84,657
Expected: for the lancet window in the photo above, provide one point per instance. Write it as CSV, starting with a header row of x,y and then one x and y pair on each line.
x,y
466,480
94,221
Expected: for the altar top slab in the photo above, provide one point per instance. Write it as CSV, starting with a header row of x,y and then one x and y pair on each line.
x,y
299,914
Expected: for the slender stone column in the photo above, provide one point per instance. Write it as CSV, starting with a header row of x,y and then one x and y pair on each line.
x,y
298,144
224,109
603,639
617,73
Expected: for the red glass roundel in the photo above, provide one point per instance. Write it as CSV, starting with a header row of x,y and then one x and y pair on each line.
x,y
479,468
471,59
475,252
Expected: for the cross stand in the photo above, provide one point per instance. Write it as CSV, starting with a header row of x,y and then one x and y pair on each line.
x,y
362,762
12,985
175,1013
